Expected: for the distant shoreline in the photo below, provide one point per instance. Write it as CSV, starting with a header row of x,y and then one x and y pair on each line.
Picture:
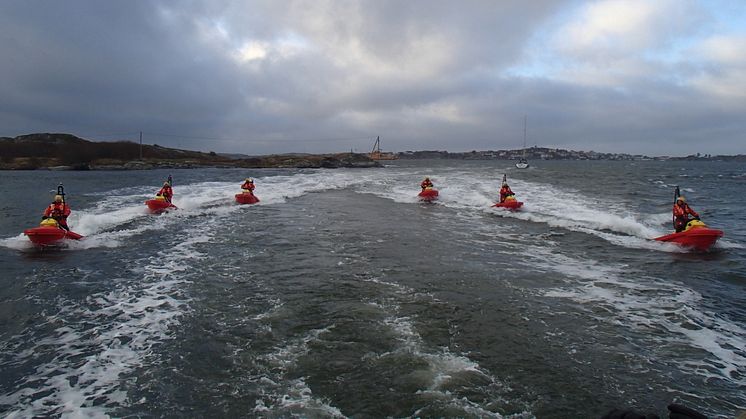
x,y
311,162
58,151
68,152
542,153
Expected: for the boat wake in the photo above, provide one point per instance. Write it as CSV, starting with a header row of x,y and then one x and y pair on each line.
x,y
121,214
669,313
617,224
81,365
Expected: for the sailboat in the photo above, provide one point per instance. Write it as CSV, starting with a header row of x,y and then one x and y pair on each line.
x,y
523,163
377,154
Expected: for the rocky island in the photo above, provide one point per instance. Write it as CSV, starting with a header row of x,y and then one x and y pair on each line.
x,y
68,152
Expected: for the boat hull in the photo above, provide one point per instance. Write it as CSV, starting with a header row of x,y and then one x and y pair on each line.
x,y
701,238
246,198
50,236
512,205
428,195
157,206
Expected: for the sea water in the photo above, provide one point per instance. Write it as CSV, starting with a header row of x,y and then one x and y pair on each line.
x,y
341,295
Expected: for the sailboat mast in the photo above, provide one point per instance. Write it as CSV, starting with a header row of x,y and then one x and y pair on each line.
x,y
525,117
523,163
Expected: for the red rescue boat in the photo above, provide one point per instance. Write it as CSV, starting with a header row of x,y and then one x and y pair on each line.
x,y
246,198
696,236
428,194
510,204
49,234
159,205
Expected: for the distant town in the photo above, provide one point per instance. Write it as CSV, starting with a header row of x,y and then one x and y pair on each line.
x,y
542,153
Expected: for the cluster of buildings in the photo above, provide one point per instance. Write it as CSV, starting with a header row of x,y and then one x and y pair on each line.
x,y
533,153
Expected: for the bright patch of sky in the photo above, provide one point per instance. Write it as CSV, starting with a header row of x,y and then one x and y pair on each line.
x,y
609,41
282,47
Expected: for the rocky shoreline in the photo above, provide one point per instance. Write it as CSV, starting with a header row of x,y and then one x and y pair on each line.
x,y
67,152
310,162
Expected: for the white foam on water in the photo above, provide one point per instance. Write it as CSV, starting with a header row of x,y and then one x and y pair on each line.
x,y
661,184
300,399
101,225
460,189
101,340
580,213
728,244
281,188
464,190
475,193
292,397
19,242
298,402
120,214
447,373
101,218
397,184
645,303
442,364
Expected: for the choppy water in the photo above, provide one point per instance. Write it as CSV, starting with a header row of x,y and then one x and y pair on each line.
x,y
340,295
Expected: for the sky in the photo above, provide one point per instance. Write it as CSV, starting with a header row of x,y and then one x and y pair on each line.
x,y
654,77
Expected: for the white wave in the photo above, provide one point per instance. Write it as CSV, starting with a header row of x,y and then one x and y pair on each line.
x,y
446,373
729,244
121,213
292,397
646,303
459,189
91,222
104,338
543,203
19,242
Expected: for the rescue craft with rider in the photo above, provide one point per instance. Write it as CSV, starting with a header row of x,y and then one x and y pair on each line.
x,y
49,233
162,200
696,236
690,233
246,198
247,193
510,203
507,197
428,194
53,228
159,204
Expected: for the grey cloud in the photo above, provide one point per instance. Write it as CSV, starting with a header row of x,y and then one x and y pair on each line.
x,y
91,67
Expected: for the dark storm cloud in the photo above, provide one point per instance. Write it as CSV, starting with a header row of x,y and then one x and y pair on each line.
x,y
100,67
316,76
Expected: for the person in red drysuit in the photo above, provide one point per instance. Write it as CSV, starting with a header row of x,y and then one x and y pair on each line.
x,y
248,186
59,211
166,192
505,192
681,213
